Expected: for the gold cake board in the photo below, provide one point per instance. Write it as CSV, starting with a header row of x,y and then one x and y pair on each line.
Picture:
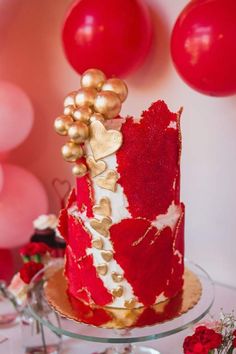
x,y
113,318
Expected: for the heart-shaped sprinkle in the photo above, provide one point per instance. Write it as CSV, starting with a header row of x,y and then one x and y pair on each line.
x,y
103,142
130,304
102,269
101,226
103,207
117,292
98,243
107,255
117,278
95,167
108,181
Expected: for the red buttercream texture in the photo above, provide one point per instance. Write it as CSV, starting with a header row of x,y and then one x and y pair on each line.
x,y
82,274
148,161
84,195
146,265
79,238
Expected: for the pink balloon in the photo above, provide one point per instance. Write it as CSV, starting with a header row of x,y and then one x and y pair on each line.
x,y
1,178
16,116
23,198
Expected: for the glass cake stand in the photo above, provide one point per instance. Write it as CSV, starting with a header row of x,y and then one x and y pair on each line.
x,y
122,340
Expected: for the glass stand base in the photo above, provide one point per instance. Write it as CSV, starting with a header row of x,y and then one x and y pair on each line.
x,y
130,349
73,346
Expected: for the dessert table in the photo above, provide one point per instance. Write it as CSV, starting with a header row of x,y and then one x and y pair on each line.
x,y
225,298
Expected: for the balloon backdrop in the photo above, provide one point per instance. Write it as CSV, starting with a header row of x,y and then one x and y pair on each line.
x,y
113,36
1,178
203,46
16,116
6,265
23,198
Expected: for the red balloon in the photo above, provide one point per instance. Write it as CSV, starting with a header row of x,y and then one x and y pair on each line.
x,y
114,36
203,46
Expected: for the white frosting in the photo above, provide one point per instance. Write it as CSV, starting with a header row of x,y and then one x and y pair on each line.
x,y
169,219
45,222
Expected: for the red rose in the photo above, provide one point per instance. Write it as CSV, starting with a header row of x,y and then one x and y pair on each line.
x,y
29,270
234,341
202,341
35,248
234,333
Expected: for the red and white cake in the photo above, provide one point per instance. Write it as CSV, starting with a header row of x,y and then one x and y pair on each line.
x,y
124,223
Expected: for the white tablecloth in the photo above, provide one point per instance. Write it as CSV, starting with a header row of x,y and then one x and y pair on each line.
x,y
225,298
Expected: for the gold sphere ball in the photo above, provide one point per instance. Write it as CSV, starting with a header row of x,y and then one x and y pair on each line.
x,y
118,86
93,78
68,110
96,116
82,114
62,124
78,132
79,170
108,104
85,97
71,151
70,99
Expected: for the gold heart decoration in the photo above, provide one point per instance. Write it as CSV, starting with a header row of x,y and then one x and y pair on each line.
x,y
107,255
104,142
117,292
103,207
95,167
101,226
102,269
98,243
117,278
108,181
130,304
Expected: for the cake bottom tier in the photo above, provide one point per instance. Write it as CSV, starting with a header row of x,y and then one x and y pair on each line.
x,y
136,265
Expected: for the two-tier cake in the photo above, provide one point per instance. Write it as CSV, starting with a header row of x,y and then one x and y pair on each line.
x,y
124,222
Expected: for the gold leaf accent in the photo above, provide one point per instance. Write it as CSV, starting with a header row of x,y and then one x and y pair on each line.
x,y
103,142
108,181
102,269
130,304
101,226
95,167
98,243
103,207
107,255
117,292
117,277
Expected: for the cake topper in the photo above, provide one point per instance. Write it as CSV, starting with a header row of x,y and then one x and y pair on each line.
x,y
85,113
